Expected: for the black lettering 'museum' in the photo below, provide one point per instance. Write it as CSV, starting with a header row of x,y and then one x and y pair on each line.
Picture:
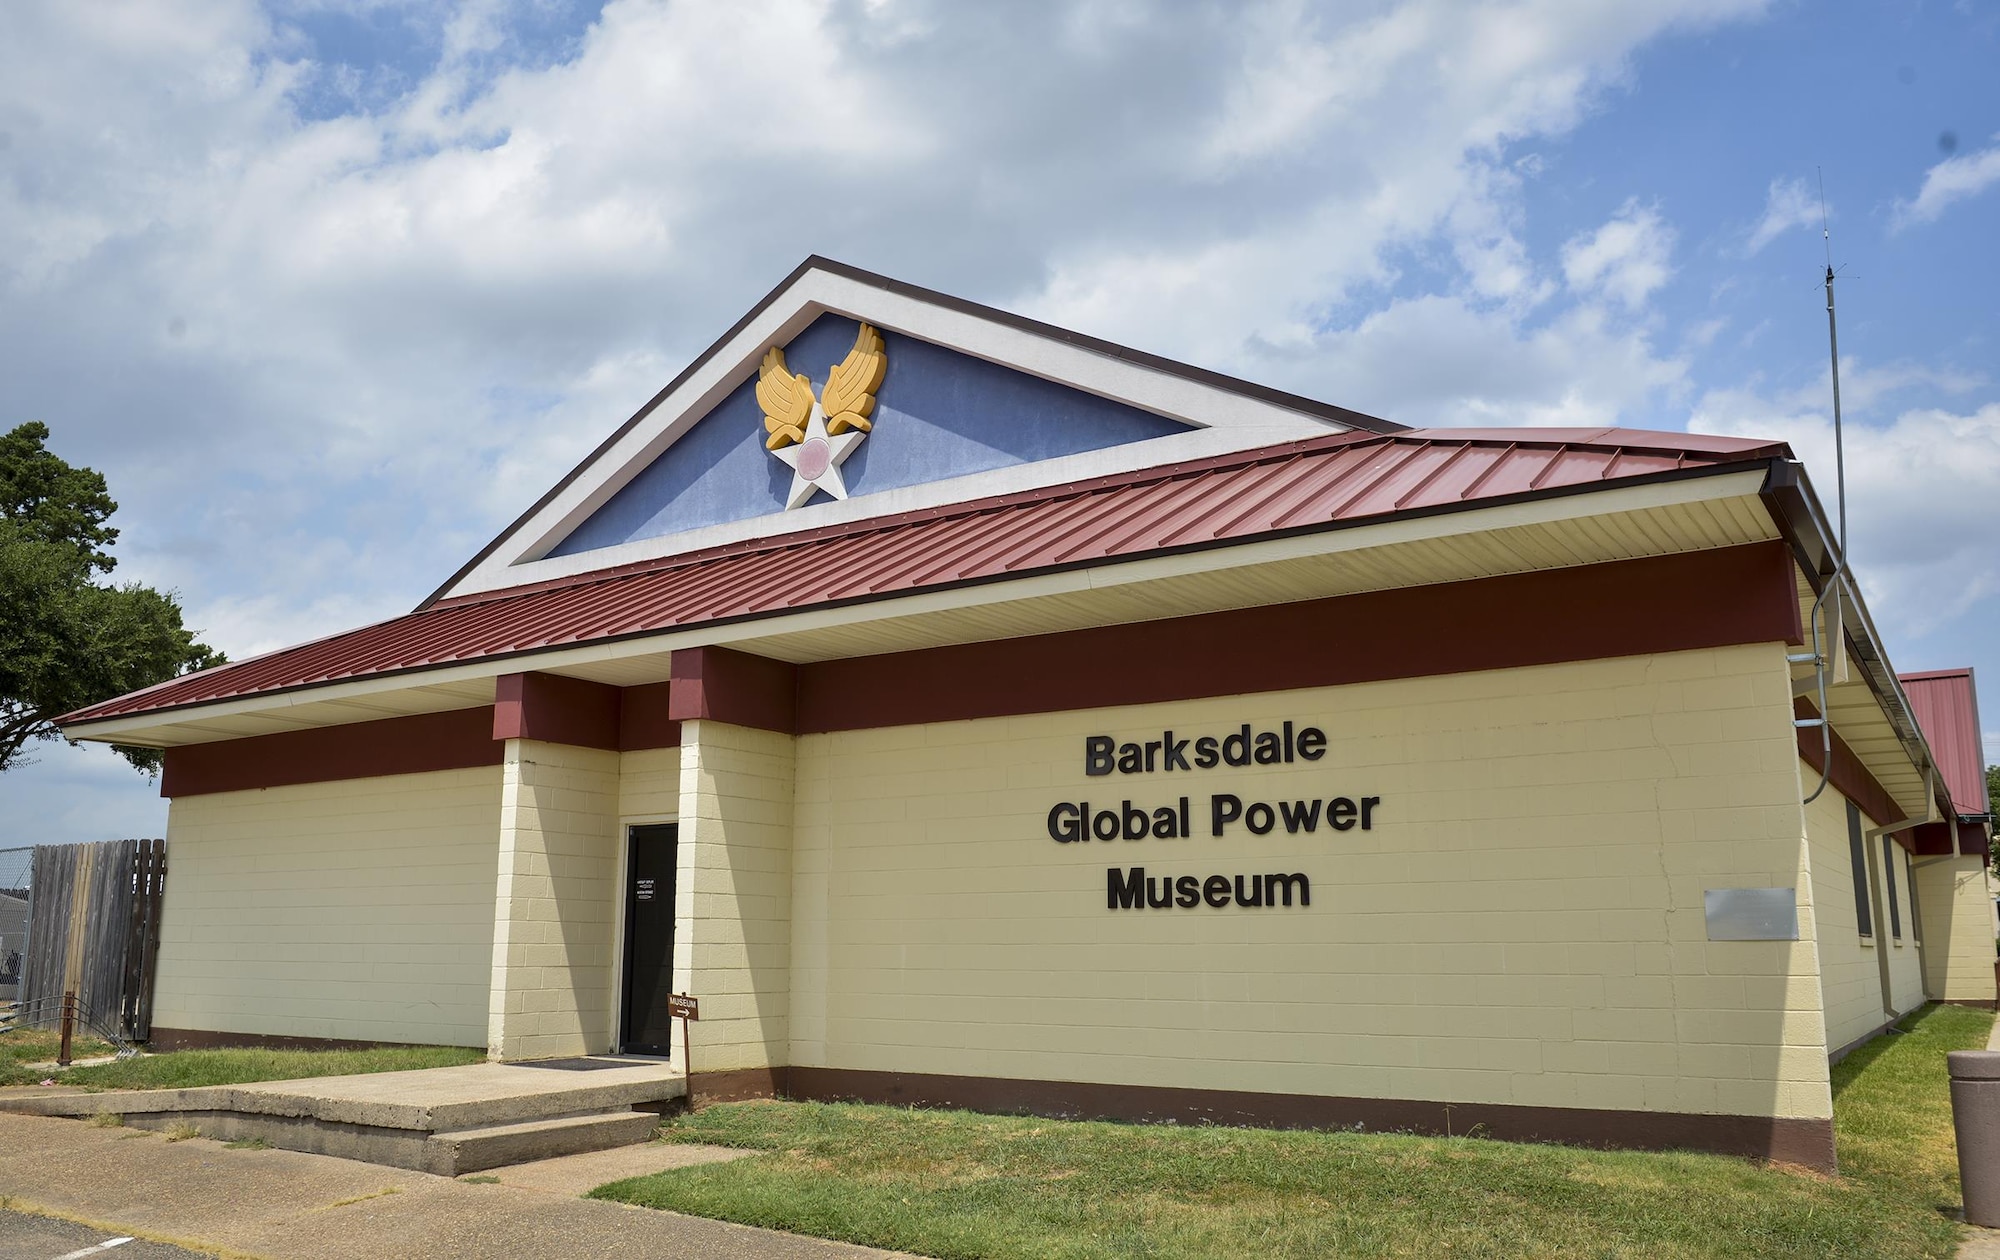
x,y
1133,889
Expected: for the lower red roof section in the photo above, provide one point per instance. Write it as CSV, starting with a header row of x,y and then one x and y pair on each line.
x,y
1946,704
1292,488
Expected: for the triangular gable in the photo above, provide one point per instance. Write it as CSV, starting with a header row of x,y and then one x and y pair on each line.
x,y
939,414
975,402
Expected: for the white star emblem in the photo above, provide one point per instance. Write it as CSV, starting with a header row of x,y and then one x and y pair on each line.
x,y
815,462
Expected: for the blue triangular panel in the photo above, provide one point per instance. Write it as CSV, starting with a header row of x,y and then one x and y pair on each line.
x,y
939,414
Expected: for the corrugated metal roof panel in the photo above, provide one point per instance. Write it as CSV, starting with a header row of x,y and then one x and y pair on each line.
x,y
1233,498
1947,707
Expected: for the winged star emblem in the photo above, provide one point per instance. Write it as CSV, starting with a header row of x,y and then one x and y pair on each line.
x,y
814,436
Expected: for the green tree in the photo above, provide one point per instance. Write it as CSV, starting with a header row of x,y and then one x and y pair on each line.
x,y
1993,812
67,640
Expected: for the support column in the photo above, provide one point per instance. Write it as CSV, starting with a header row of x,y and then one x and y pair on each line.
x,y
556,896
734,901
732,945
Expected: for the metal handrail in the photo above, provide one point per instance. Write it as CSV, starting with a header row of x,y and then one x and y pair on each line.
x,y
46,1011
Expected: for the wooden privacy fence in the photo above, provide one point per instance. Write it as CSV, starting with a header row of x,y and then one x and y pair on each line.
x,y
94,930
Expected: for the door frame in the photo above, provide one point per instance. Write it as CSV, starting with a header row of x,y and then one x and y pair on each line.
x,y
618,942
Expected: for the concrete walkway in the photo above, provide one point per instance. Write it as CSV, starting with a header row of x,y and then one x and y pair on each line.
x,y
287,1205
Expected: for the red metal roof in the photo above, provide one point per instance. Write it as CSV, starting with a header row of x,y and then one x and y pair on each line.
x,y
1295,487
1947,708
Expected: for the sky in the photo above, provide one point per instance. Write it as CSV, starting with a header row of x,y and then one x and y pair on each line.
x,y
330,292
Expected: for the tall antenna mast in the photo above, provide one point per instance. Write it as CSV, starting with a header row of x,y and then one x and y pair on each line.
x,y
1823,653
1833,348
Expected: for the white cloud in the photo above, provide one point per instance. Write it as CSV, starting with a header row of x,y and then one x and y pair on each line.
x,y
1625,260
1923,495
1443,360
1789,204
1954,179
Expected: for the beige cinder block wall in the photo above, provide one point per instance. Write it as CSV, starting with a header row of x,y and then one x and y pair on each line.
x,y
1850,976
1958,927
1906,965
733,893
649,785
1522,924
552,941
357,910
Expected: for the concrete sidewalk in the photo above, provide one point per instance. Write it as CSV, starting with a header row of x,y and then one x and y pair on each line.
x,y
287,1205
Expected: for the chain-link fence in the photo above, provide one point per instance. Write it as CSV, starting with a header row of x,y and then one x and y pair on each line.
x,y
16,874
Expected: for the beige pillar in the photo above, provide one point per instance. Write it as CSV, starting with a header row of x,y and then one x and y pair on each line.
x,y
732,947
1958,928
555,904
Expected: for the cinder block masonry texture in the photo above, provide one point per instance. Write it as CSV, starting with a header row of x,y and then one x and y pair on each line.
x,y
360,910
554,907
1958,927
733,892
1524,923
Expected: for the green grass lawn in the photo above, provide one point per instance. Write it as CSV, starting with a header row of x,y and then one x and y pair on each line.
x,y
183,1068
22,1047
956,1184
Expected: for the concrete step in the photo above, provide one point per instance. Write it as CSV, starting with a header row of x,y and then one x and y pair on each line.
x,y
459,1151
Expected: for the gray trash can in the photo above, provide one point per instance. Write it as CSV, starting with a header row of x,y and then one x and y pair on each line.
x,y
1975,1118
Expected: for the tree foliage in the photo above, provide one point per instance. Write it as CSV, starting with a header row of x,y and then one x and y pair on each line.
x,y
1993,811
67,640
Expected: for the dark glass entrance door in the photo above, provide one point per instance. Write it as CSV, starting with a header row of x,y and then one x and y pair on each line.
x,y
649,939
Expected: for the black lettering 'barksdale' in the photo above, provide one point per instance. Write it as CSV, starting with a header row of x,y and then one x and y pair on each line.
x,y
1242,747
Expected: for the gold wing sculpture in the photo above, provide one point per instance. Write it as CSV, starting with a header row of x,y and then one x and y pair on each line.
x,y
850,388
787,401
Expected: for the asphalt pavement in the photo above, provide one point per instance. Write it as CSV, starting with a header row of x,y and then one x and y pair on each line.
x,y
45,1238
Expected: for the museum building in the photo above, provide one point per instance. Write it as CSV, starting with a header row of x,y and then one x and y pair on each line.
x,y
970,712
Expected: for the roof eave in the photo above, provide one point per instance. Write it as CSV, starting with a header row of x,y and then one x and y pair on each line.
x,y
1803,520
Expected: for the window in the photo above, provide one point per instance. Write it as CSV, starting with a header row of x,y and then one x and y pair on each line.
x,y
1916,916
1889,877
1857,855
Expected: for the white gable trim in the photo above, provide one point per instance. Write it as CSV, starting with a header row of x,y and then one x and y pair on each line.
x,y
1221,419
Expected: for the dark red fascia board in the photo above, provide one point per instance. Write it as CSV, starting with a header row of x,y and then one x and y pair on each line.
x,y
1668,603
1958,837
1731,595
814,262
1700,599
460,739
545,707
724,685
556,709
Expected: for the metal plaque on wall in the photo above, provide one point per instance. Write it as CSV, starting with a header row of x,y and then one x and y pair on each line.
x,y
1752,914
